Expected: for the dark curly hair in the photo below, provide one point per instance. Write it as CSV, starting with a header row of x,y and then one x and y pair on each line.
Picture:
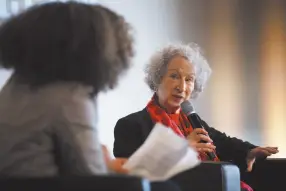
x,y
68,41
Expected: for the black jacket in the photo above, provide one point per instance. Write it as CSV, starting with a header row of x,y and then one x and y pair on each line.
x,y
131,131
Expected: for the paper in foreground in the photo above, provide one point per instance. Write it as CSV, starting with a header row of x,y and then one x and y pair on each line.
x,y
163,155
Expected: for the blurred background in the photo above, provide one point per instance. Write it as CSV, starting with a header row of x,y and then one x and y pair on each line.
x,y
244,42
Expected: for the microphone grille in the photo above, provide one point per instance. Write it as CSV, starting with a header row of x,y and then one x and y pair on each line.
x,y
187,107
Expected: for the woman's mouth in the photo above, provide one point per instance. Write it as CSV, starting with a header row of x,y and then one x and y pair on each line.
x,y
178,98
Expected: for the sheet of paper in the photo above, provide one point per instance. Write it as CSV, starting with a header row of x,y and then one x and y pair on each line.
x,y
163,155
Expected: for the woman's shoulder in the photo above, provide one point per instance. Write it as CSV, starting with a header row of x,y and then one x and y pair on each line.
x,y
136,116
139,121
75,104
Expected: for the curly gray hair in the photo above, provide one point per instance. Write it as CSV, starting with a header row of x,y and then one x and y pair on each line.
x,y
157,66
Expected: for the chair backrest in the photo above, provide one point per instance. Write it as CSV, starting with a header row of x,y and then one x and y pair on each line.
x,y
267,175
210,176
80,183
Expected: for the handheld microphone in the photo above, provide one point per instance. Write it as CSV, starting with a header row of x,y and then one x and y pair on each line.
x,y
195,121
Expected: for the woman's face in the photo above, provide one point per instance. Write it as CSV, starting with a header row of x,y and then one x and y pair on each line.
x,y
177,84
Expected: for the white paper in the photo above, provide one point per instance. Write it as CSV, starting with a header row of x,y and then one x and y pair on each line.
x,y
163,155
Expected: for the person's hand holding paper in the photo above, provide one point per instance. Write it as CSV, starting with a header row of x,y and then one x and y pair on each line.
x,y
163,155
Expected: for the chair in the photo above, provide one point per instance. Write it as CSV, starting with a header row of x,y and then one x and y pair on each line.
x,y
267,175
210,176
74,183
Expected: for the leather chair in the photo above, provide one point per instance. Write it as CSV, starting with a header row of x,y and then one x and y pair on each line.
x,y
210,176
207,176
267,175
76,183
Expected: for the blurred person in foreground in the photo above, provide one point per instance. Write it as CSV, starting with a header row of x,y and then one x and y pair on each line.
x,y
62,55
175,74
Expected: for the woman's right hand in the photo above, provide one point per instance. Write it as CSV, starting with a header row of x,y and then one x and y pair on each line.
x,y
198,135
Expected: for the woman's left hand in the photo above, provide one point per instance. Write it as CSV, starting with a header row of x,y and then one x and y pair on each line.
x,y
116,164
259,152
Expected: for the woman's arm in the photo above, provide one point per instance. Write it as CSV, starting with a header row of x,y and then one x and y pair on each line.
x,y
78,151
230,148
76,138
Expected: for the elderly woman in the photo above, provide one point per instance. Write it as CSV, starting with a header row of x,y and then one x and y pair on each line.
x,y
62,56
175,74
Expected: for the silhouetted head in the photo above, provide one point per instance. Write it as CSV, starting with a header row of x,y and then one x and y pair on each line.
x,y
69,41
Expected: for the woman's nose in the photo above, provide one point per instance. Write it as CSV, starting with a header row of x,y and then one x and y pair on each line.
x,y
181,86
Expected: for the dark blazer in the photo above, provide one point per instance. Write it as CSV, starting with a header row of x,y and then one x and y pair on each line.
x,y
131,131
